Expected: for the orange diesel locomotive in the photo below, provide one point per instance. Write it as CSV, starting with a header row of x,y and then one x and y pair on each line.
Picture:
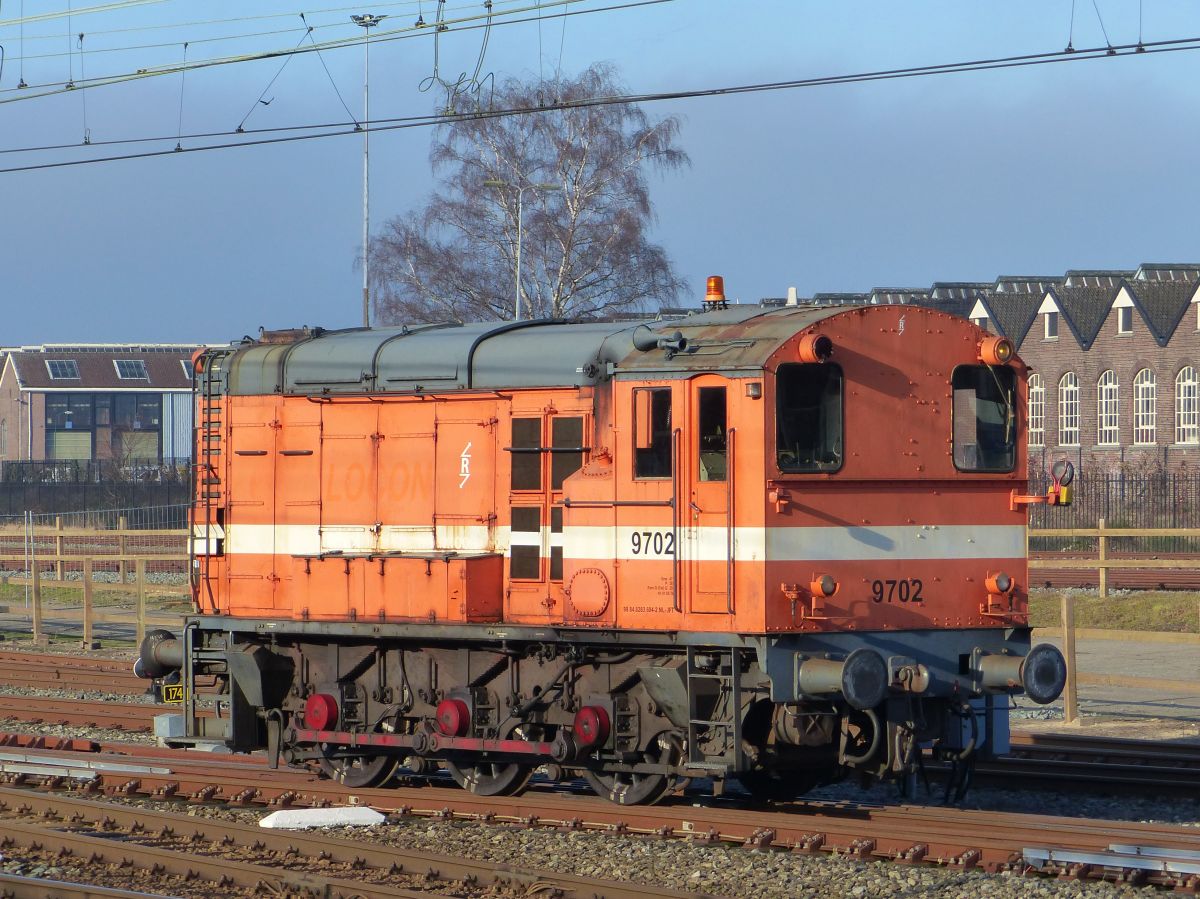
x,y
770,544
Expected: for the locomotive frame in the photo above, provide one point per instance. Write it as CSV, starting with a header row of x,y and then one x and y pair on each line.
x,y
776,545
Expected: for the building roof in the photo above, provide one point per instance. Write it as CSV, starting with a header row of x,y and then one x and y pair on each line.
x,y
1160,290
1013,312
1037,284
1162,304
94,367
1084,308
1168,271
899,296
1096,277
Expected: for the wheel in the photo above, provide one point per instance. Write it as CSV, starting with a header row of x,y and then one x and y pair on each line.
x,y
486,778
632,788
491,778
359,771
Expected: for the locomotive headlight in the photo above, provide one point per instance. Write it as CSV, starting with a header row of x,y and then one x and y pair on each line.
x,y
995,350
823,585
999,583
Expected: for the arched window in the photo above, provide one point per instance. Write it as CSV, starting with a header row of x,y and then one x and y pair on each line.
x,y
1108,425
4,438
1145,419
1037,411
1187,406
1068,410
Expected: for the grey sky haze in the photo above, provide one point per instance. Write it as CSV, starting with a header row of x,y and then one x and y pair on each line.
x,y
964,177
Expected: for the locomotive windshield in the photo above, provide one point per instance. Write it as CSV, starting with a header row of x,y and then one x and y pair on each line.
x,y
808,417
985,424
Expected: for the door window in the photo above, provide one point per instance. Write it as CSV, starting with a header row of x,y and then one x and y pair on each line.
x,y
712,428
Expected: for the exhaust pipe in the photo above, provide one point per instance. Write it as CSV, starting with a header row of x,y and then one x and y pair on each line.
x,y
646,340
1042,674
862,678
159,655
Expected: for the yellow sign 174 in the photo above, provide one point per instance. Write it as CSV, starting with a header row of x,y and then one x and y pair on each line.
x,y
172,692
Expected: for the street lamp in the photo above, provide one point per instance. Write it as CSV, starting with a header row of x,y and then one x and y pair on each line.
x,y
491,182
366,22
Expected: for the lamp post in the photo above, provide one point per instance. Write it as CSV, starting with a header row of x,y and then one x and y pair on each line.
x,y
367,21
491,182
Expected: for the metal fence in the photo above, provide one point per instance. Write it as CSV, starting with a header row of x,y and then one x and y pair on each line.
x,y
48,487
138,518
1124,501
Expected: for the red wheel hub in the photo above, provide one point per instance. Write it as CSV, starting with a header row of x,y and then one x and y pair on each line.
x,y
453,717
320,711
591,726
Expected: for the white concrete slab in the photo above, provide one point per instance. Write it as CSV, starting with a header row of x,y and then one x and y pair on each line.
x,y
300,818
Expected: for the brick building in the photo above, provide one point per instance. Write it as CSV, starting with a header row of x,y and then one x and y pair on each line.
x,y
129,403
1115,358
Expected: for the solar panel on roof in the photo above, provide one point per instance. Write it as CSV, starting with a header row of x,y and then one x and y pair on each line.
x,y
62,369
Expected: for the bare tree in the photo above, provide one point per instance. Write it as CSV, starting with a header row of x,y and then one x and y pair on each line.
x,y
584,245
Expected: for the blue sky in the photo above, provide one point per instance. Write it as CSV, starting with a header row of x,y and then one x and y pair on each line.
x,y
1019,171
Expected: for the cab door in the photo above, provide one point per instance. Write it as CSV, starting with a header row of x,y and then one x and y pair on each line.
x,y
706,499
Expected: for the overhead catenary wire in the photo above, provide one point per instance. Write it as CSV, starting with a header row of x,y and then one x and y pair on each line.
x,y
394,124
259,99
477,20
243,35
83,11
87,132
182,85
328,74
158,26
1100,19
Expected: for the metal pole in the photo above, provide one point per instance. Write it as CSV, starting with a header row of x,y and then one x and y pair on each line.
x,y
520,207
366,21
366,231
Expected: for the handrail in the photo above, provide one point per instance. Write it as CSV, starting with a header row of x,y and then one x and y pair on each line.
x,y
675,435
730,469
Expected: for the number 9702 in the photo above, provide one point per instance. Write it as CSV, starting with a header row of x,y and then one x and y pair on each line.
x,y
897,590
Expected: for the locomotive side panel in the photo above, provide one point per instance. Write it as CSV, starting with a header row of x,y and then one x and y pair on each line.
x,y
406,479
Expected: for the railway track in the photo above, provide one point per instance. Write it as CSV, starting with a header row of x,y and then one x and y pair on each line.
x,y
56,671
1061,762
959,838
130,716
229,854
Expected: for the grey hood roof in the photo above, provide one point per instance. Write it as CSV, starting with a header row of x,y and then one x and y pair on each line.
x,y
497,355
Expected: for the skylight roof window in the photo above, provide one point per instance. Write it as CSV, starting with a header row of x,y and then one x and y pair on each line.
x,y
62,369
131,369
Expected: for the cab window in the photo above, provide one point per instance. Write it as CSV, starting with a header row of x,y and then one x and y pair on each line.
x,y
985,425
652,433
808,417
